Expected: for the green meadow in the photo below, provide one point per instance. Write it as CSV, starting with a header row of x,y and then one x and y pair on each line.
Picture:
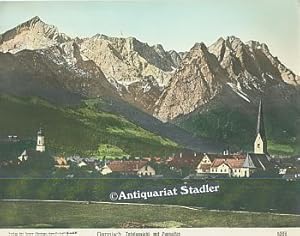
x,y
77,130
75,215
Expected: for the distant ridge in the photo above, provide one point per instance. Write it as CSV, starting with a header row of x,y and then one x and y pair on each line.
x,y
174,87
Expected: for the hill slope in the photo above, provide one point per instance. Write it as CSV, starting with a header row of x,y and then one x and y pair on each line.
x,y
77,130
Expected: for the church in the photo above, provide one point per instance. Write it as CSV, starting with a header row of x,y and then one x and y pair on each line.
x,y
240,165
260,157
39,150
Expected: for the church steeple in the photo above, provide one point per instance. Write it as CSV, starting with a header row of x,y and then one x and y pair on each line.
x,y
260,129
40,143
260,144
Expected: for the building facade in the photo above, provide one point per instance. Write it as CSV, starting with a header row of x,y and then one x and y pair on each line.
x,y
237,165
40,142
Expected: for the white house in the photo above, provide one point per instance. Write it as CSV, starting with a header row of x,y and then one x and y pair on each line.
x,y
23,156
146,170
237,165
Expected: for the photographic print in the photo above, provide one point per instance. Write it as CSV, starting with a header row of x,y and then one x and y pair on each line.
x,y
149,114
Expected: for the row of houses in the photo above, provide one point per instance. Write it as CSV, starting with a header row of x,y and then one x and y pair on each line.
x,y
138,167
231,165
198,164
239,165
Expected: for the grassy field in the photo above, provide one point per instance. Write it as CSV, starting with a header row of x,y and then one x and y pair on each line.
x,y
78,130
29,214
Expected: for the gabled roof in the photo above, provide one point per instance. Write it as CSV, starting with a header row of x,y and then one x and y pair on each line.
x,y
187,161
233,161
217,162
261,160
236,163
248,162
126,166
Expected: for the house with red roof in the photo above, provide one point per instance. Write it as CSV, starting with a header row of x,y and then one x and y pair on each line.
x,y
184,159
129,167
235,165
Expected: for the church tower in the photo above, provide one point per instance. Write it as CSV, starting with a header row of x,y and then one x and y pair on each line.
x,y
260,144
40,143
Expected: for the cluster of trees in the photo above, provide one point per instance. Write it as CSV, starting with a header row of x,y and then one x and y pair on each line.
x,y
235,194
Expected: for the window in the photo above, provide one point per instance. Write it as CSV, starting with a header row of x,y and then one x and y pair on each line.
x,y
258,145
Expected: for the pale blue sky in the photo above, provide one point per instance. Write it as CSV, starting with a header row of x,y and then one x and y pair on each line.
x,y
175,24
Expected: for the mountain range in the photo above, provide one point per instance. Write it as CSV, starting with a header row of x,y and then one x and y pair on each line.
x,y
207,93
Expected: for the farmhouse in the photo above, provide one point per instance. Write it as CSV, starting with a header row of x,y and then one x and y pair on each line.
x,y
129,167
184,159
236,165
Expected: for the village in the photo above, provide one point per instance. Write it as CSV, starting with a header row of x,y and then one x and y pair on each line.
x,y
186,164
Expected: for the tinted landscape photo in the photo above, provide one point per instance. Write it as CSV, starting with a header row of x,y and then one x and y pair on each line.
x,y
149,114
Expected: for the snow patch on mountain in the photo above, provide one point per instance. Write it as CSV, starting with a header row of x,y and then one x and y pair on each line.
x,y
238,90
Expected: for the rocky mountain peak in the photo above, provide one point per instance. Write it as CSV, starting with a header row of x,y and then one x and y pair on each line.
x,y
159,49
128,60
233,41
255,45
199,46
34,20
196,82
231,44
196,54
32,34
200,55
251,63
176,57
229,68
170,82
100,36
